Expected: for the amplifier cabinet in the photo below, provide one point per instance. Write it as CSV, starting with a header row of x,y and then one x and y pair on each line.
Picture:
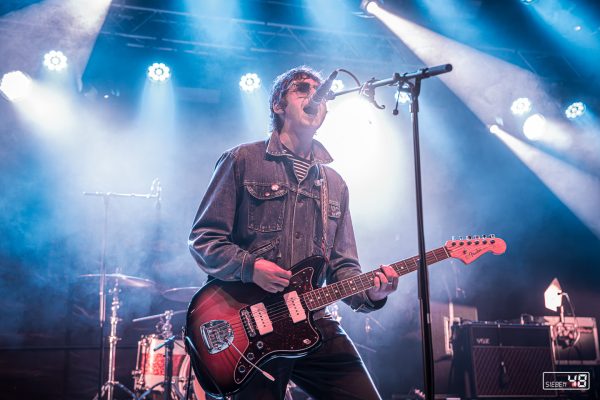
x,y
503,360
585,351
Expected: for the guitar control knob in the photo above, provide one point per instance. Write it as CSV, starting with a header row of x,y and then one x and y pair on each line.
x,y
260,345
250,356
242,369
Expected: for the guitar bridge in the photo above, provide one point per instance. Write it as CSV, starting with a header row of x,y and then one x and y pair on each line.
x,y
217,335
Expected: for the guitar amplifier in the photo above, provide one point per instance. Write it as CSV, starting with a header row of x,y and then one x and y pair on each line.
x,y
503,360
584,350
444,315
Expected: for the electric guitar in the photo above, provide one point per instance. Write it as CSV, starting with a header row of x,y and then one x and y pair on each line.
x,y
234,328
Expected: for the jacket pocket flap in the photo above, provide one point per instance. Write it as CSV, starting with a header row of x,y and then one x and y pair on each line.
x,y
266,192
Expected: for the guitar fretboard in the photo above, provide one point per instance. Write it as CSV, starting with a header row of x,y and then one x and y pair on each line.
x,y
319,298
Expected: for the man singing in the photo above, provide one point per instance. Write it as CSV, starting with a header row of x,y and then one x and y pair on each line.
x,y
271,204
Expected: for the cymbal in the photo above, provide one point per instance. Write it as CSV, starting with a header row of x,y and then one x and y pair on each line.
x,y
126,280
181,294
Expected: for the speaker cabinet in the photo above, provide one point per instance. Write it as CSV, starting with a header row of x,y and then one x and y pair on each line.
x,y
503,360
585,350
443,317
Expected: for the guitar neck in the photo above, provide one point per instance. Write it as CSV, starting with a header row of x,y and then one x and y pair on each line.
x,y
321,297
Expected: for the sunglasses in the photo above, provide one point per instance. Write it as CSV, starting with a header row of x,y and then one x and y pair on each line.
x,y
301,87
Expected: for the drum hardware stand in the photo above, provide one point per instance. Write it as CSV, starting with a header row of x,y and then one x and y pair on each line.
x,y
155,193
167,384
110,383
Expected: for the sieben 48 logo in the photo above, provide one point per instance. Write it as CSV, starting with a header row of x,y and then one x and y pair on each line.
x,y
566,381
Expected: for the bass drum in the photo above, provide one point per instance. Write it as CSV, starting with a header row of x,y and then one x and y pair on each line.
x,y
182,380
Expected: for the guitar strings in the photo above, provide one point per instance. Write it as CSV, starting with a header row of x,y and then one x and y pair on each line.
x,y
279,310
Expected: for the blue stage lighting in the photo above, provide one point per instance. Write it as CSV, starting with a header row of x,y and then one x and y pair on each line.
x,y
249,82
55,60
521,106
371,6
15,85
528,2
534,127
575,110
159,72
494,128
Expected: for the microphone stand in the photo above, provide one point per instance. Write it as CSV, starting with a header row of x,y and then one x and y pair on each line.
x,y
411,83
155,193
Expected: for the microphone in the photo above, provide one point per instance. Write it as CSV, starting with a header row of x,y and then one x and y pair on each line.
x,y
319,95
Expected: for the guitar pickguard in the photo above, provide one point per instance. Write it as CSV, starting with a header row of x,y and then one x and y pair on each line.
x,y
289,331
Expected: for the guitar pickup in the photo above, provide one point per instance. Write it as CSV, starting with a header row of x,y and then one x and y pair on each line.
x,y
261,318
292,301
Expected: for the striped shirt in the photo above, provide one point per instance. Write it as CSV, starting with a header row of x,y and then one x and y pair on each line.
x,y
301,165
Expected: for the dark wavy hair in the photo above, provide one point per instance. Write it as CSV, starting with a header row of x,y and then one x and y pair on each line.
x,y
280,87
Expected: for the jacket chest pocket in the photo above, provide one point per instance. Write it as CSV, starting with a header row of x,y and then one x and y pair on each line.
x,y
266,206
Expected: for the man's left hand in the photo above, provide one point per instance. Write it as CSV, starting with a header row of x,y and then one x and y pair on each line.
x,y
385,281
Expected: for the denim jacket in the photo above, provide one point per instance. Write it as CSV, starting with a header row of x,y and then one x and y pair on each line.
x,y
255,207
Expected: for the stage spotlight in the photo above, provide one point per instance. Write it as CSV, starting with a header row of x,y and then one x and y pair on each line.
x,y
371,6
337,85
159,72
575,110
495,129
528,2
55,60
249,82
534,127
521,106
15,85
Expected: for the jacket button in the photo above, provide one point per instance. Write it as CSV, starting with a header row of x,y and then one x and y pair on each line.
x,y
298,235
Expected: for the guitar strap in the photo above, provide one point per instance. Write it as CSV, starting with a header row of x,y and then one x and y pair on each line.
x,y
324,209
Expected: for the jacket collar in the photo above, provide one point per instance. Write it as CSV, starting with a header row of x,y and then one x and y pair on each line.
x,y
320,154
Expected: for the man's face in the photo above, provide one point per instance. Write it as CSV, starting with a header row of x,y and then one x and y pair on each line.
x,y
294,118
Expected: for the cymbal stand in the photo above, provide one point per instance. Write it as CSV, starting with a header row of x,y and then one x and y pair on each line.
x,y
164,324
155,193
110,383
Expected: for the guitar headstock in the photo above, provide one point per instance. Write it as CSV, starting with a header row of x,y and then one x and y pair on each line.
x,y
470,248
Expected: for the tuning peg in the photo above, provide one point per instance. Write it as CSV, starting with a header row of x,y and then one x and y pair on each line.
x,y
452,237
492,235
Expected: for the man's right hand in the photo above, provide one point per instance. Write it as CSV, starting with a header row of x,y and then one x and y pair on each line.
x,y
270,276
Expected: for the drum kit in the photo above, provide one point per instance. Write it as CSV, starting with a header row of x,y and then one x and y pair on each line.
x,y
162,368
